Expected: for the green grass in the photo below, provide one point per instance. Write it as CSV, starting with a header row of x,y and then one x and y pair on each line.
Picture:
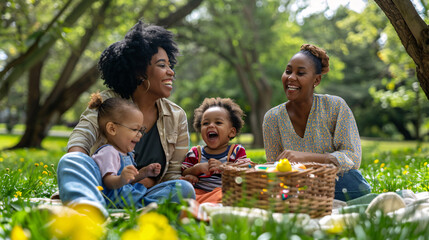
x,y
26,173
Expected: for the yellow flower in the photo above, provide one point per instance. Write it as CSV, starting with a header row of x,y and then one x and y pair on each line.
x,y
425,164
405,172
382,165
21,159
151,226
36,164
336,226
41,163
406,166
41,183
385,190
1,159
419,149
81,222
19,170
18,233
100,188
18,194
46,166
376,161
131,234
44,172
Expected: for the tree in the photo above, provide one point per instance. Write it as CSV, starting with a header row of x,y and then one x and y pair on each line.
x,y
399,94
45,108
413,32
239,32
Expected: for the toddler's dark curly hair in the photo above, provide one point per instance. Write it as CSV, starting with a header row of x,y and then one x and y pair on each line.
x,y
123,64
235,113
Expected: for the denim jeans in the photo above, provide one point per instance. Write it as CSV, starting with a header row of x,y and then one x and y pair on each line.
x,y
79,177
351,185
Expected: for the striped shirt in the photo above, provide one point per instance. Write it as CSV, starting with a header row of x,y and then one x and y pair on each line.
x,y
331,128
214,180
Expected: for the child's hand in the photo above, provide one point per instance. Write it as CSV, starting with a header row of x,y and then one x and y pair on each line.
x,y
202,168
215,165
190,178
151,170
244,162
128,174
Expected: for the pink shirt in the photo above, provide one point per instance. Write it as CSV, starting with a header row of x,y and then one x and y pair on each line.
x,y
108,160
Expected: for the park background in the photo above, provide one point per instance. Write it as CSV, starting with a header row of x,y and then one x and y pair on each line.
x,y
236,49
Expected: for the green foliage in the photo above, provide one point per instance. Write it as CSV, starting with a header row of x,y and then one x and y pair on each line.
x,y
411,172
388,166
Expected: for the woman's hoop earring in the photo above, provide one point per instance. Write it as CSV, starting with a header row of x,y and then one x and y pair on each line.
x,y
148,86
141,79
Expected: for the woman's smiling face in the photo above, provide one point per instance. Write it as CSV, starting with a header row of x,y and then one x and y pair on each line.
x,y
160,75
300,78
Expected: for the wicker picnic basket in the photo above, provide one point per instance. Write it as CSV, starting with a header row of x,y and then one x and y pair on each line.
x,y
308,191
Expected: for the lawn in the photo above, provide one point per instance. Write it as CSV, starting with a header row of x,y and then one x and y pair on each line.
x,y
28,173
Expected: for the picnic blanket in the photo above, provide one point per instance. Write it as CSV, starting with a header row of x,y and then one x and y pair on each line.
x,y
403,206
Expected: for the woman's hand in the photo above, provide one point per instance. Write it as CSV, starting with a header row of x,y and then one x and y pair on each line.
x,y
295,156
301,157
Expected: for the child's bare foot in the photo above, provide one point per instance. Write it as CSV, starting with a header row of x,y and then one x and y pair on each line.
x,y
151,170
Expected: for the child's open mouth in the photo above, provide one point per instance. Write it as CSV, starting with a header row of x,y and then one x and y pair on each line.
x,y
212,135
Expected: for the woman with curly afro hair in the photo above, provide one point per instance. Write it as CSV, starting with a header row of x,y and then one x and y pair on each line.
x,y
138,68
311,127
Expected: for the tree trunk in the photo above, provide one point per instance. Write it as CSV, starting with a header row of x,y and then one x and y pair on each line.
x,y
414,35
399,124
259,104
34,54
40,117
31,137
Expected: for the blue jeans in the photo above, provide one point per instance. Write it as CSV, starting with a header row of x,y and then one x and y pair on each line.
x,y
351,185
79,176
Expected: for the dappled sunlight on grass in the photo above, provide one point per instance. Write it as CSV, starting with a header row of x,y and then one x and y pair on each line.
x,y
28,173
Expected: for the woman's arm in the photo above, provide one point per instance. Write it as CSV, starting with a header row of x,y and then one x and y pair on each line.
x,y
346,140
181,146
78,149
272,138
85,133
303,157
